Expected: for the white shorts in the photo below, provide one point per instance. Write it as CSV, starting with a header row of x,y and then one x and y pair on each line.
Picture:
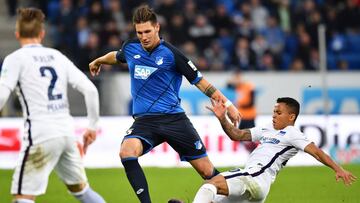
x,y
244,187
37,161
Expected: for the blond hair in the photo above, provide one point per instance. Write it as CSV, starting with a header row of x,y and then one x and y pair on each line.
x,y
30,22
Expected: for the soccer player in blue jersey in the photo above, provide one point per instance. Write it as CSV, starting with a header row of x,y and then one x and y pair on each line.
x,y
156,69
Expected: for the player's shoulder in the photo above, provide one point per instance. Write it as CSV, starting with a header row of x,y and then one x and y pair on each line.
x,y
131,41
292,130
15,54
171,47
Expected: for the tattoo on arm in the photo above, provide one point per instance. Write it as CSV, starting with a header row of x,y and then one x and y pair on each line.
x,y
235,133
209,90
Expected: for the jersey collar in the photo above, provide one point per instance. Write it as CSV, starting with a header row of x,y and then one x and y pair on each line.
x,y
31,45
152,50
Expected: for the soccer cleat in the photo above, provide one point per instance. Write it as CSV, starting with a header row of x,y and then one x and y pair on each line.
x,y
175,201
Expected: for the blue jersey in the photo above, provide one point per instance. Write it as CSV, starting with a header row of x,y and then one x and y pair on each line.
x,y
156,77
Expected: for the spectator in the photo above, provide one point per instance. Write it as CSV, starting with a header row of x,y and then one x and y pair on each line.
x,y
216,56
118,15
349,17
97,16
258,15
274,36
221,19
259,45
201,31
83,31
176,28
285,15
244,58
297,65
267,62
167,8
90,51
64,31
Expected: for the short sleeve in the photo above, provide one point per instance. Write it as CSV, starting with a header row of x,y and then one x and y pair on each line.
x,y
120,54
256,133
298,139
185,66
10,72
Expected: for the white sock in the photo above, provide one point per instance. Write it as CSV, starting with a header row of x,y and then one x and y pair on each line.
x,y
87,195
23,201
205,194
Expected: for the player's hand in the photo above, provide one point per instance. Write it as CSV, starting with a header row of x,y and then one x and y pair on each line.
x,y
234,115
347,177
218,108
88,138
95,67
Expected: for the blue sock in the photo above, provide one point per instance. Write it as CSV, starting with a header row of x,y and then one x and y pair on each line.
x,y
136,178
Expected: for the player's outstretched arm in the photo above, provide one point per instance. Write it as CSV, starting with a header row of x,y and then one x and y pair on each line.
x,y
216,95
234,133
95,65
319,154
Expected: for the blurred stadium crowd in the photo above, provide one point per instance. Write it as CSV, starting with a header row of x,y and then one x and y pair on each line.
x,y
217,35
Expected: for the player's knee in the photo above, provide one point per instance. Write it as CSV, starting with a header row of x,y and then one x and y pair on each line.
x,y
125,153
76,187
23,199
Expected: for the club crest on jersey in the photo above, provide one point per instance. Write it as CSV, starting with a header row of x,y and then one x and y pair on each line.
x,y
143,72
159,60
282,132
198,145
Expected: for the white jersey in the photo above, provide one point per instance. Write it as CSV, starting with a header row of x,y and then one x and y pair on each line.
x,y
275,149
41,76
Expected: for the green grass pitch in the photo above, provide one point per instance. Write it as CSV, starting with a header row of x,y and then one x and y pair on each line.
x,y
293,184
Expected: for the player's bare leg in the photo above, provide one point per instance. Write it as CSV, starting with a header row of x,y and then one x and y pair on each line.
x,y
204,167
24,199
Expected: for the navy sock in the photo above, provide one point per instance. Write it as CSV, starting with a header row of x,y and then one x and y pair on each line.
x,y
215,173
136,178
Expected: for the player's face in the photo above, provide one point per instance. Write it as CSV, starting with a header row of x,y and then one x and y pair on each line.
x,y
282,117
148,34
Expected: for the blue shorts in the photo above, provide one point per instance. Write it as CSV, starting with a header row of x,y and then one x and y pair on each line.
x,y
175,129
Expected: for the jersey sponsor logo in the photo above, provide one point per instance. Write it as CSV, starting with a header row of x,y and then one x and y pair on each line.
x,y
282,132
198,145
143,72
137,56
191,64
269,140
159,60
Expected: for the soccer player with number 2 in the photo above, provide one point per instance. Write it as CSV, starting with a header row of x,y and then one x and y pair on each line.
x,y
41,76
